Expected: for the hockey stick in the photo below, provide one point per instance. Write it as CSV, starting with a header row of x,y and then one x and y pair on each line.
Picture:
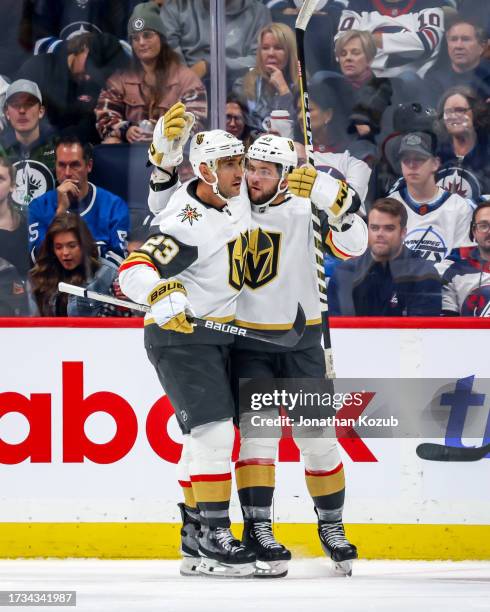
x,y
440,452
287,339
302,20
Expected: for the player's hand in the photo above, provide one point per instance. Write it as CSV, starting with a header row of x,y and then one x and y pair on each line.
x,y
327,193
170,306
169,137
67,192
301,181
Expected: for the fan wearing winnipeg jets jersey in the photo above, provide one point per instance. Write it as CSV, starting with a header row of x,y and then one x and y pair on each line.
x,y
194,264
408,33
280,273
466,279
438,221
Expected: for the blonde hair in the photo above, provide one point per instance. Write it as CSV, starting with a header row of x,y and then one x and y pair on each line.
x,y
285,37
367,43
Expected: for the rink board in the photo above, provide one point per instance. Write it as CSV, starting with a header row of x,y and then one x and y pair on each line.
x,y
123,503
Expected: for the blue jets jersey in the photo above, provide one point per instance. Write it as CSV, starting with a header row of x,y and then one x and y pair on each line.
x,y
105,214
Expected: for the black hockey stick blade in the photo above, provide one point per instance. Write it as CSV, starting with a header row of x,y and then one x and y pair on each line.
x,y
439,452
287,339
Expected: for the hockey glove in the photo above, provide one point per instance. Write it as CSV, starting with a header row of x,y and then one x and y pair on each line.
x,y
171,133
327,193
170,306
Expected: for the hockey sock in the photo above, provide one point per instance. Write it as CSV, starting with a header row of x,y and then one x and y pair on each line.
x,y
210,450
255,480
327,489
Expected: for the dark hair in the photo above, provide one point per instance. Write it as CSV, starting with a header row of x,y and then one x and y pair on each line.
x,y
70,138
481,119
6,163
166,58
48,271
79,43
392,207
482,205
480,32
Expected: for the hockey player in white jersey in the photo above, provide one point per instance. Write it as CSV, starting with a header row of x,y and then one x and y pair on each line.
x,y
438,220
194,262
408,33
280,273
466,278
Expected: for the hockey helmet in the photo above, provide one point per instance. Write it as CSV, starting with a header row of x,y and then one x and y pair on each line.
x,y
278,150
208,147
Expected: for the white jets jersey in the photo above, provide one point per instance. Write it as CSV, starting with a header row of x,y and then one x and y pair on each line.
x,y
343,166
202,246
437,227
466,285
412,32
280,269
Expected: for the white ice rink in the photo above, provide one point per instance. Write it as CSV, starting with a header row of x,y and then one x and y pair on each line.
x,y
394,586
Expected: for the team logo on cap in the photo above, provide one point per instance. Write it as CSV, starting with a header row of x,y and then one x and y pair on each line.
x,y
138,24
413,139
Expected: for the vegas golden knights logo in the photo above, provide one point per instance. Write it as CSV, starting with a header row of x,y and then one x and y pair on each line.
x,y
237,257
262,258
199,138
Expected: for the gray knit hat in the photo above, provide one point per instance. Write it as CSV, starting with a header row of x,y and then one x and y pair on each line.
x,y
145,16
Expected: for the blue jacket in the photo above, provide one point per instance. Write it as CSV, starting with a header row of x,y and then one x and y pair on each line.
x,y
406,286
105,214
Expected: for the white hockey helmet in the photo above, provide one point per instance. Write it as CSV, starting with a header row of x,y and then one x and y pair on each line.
x,y
208,148
278,150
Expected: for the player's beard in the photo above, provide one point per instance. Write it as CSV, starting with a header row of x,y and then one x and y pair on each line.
x,y
265,197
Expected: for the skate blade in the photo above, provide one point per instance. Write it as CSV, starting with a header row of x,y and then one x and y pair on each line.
x,y
216,569
189,565
342,568
270,569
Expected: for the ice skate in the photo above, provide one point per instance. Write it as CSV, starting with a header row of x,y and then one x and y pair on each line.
x,y
272,557
337,546
222,555
189,546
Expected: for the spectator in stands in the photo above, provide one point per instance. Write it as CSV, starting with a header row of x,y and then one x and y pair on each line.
x,y
187,30
271,84
466,44
365,94
237,122
4,85
71,79
437,220
130,105
28,142
465,148
105,213
466,280
13,224
407,37
69,254
13,294
389,279
50,22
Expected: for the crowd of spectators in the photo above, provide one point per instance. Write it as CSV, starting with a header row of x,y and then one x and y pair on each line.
x,y
399,93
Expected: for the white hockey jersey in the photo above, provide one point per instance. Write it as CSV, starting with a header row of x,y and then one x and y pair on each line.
x,y
466,285
412,32
281,271
343,166
437,227
202,246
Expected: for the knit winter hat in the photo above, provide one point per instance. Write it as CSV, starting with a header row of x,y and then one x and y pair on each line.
x,y
145,16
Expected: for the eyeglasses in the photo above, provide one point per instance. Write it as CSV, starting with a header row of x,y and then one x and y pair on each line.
x,y
234,118
145,35
457,110
482,226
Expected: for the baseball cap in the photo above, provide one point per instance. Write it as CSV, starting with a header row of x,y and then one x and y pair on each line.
x,y
23,86
416,142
